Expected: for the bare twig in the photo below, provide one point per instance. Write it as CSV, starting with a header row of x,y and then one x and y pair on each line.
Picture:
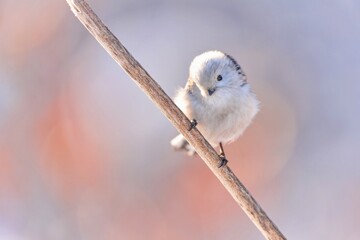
x,y
118,52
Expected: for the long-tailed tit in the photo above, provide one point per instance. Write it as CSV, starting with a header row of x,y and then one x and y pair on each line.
x,y
218,98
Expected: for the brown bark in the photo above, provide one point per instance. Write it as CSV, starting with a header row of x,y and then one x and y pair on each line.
x,y
152,89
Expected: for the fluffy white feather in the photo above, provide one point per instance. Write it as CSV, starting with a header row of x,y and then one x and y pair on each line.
x,y
218,96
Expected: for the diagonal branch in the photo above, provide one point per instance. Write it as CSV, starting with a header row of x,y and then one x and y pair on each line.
x,y
152,89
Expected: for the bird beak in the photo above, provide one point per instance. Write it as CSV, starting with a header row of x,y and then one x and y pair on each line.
x,y
211,91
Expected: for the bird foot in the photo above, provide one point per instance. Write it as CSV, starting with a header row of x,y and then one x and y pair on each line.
x,y
193,124
223,162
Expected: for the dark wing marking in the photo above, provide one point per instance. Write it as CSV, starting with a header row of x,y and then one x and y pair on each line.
x,y
236,66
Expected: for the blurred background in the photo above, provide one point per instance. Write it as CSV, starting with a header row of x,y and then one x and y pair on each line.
x,y
84,154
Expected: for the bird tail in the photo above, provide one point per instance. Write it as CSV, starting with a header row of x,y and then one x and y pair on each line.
x,y
179,143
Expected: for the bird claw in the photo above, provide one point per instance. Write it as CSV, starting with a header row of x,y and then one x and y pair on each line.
x,y
223,162
193,124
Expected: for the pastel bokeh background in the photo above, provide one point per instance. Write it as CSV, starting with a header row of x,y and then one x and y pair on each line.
x,y
85,155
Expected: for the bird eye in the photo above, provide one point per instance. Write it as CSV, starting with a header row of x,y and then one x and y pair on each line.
x,y
219,77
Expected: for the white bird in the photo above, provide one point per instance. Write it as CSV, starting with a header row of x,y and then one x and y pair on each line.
x,y
218,98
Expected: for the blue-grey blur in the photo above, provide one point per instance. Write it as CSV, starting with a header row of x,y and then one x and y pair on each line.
x,y
84,154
